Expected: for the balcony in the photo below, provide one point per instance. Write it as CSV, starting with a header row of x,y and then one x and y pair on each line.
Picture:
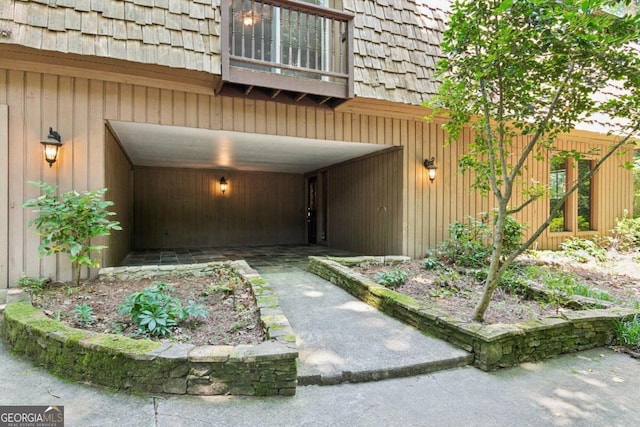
x,y
287,48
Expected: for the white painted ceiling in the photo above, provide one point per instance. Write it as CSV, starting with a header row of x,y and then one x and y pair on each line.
x,y
182,147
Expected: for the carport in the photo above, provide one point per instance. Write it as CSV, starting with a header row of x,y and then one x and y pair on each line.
x,y
166,183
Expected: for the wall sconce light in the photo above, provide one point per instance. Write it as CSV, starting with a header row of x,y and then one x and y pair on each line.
x,y
51,145
223,185
430,165
250,18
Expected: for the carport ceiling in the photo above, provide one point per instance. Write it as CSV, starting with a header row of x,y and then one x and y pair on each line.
x,y
182,147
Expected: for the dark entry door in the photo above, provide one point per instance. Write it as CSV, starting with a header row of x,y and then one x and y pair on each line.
x,y
312,210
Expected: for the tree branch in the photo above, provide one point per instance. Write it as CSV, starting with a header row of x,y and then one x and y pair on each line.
x,y
543,125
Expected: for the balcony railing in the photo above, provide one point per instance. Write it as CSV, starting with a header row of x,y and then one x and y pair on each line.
x,y
288,45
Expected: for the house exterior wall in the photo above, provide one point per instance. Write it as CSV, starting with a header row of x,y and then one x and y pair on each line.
x,y
119,182
364,204
4,195
181,208
78,104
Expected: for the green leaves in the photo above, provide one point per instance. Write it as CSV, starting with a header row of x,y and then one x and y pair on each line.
x,y
521,73
84,314
392,279
155,311
66,223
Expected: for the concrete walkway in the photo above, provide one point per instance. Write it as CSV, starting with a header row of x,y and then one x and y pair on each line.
x,y
592,388
341,339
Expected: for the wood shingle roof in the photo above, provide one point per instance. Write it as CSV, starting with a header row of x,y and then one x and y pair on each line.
x,y
397,47
395,42
174,33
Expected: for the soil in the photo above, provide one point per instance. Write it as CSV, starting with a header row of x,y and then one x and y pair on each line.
x,y
457,293
232,314
233,318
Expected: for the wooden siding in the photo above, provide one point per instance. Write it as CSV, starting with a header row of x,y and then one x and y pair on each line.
x,y
4,196
180,208
364,204
79,106
119,181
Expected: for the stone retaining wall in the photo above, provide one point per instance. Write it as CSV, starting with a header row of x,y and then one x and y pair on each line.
x,y
268,368
494,346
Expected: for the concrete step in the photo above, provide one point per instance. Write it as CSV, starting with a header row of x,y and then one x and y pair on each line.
x,y
341,339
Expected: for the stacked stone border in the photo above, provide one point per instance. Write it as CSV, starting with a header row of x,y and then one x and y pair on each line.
x,y
493,345
268,368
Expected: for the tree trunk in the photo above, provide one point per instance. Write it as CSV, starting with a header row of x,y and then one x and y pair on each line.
x,y
76,272
493,276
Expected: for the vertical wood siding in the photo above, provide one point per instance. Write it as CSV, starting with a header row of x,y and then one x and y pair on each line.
x,y
364,207
4,196
180,208
119,182
78,108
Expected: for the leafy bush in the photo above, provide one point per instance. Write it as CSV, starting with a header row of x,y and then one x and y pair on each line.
x,y
33,285
155,311
85,314
625,237
431,264
67,222
582,250
628,332
513,232
392,279
447,279
514,280
468,244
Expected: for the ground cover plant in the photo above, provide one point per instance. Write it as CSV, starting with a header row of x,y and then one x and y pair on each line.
x,y
628,335
216,309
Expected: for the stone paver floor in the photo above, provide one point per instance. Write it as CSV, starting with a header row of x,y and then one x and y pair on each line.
x,y
256,256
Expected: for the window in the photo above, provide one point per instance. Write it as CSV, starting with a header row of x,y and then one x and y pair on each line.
x,y
558,185
585,197
576,211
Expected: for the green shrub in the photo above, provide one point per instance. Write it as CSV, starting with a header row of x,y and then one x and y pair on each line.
x,y
431,264
67,222
391,279
156,312
468,244
85,314
582,250
33,285
625,237
628,332
513,232
513,281
447,279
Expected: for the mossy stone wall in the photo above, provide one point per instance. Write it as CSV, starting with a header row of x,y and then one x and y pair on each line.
x,y
494,346
268,368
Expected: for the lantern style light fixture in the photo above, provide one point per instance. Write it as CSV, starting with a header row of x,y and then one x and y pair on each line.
x,y
430,165
51,145
223,185
250,18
